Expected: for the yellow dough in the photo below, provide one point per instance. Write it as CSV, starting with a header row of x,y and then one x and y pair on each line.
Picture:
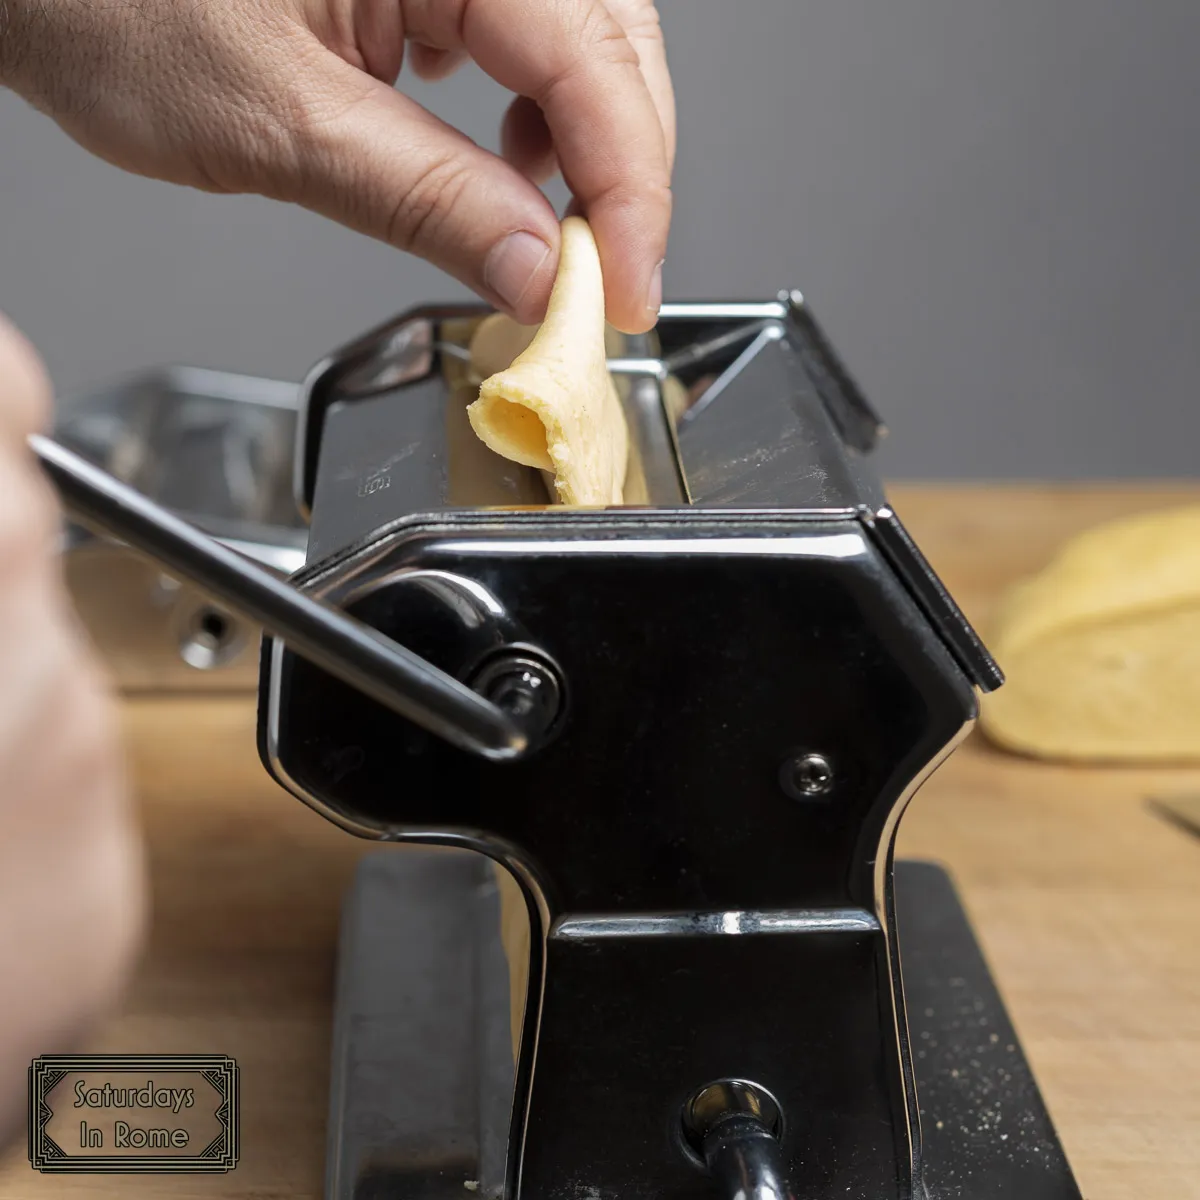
x,y
1102,649
555,407
496,342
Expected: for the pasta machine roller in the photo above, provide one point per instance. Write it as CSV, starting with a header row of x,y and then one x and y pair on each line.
x,y
685,730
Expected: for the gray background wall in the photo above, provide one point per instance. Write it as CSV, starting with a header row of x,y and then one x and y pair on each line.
x,y
995,207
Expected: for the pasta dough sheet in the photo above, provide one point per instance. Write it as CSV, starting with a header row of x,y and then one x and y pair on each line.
x,y
1102,649
547,400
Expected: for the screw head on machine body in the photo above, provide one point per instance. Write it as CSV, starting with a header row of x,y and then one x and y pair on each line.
x,y
806,777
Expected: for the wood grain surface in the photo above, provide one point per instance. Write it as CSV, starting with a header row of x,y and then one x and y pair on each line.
x,y
1087,904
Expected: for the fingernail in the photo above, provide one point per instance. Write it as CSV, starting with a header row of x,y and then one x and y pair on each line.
x,y
654,300
512,264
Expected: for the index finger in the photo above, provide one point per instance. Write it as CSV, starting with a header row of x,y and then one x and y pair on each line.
x,y
639,19
575,61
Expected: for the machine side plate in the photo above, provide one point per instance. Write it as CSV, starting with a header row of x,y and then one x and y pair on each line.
x,y
423,1077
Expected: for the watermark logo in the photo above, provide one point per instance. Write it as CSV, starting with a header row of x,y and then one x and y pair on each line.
x,y
133,1112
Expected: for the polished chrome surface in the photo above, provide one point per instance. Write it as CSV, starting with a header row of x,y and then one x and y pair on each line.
x,y
734,1126
704,310
284,560
382,361
421,1087
654,368
689,919
616,366
806,776
728,405
395,372
754,603
212,446
746,1160
675,887
406,354
524,685
715,1101
815,544
654,479
349,651
423,1078
738,407
718,924
216,448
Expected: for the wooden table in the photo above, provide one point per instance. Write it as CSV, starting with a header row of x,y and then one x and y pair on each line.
x,y
1087,905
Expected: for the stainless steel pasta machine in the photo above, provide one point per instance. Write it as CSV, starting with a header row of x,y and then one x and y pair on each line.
x,y
686,729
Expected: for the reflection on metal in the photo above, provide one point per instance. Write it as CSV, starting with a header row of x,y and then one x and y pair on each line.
x,y
215,448
714,972
697,909
748,409
734,1126
423,1075
348,650
834,920
212,639
806,776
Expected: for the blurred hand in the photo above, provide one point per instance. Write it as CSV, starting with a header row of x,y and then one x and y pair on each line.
x,y
71,885
294,99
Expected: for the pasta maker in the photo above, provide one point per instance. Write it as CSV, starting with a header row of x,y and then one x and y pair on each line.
x,y
215,448
672,743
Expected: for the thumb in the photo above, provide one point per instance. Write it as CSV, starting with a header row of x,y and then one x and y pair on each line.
x,y
377,161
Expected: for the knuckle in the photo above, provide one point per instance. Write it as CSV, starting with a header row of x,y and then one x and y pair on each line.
x,y
419,218
639,18
656,194
648,201
594,39
601,37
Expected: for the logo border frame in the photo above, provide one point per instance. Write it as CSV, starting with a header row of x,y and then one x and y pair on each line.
x,y
47,1157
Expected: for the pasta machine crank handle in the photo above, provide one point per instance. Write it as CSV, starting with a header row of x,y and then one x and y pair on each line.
x,y
734,1126
352,652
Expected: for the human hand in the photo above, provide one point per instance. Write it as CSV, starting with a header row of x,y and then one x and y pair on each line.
x,y
71,885
294,99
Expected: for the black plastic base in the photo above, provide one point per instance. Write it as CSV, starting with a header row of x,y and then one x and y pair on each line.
x,y
422,1066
